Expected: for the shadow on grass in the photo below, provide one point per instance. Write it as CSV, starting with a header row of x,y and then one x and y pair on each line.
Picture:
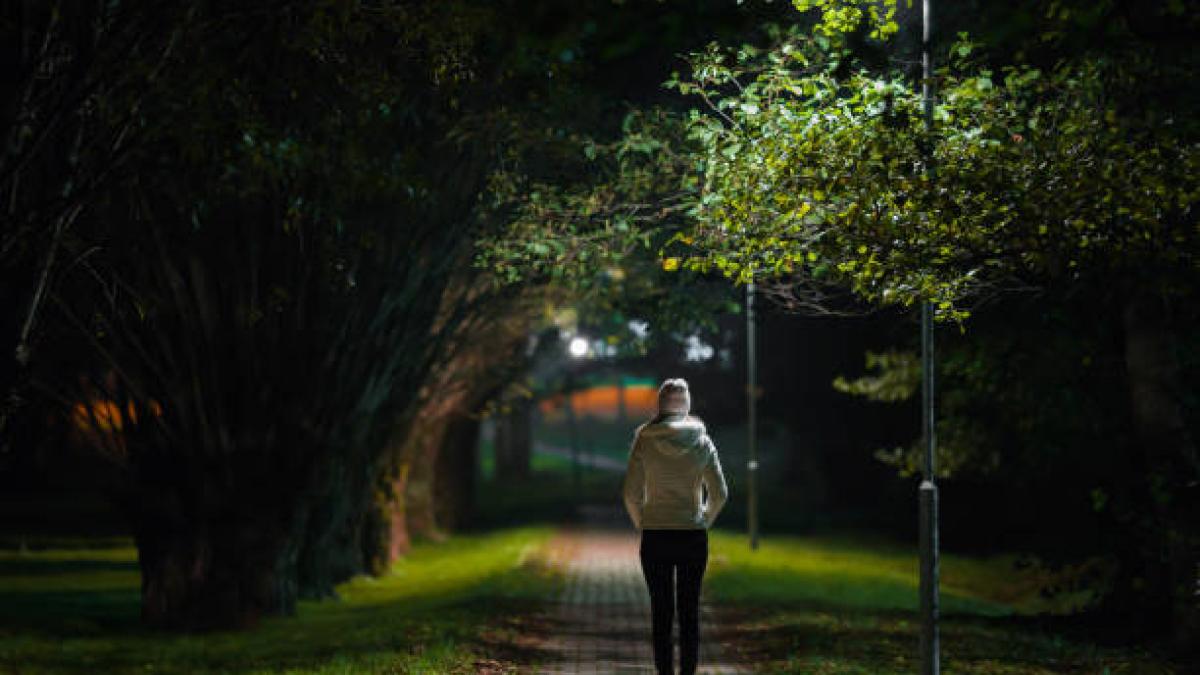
x,y
805,637
849,605
441,608
23,567
836,588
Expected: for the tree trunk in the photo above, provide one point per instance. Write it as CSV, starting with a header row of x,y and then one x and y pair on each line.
x,y
399,541
419,502
401,509
1172,468
385,530
220,569
331,551
514,442
454,487
387,536
377,537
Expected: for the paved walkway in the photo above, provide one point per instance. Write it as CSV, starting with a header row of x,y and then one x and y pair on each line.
x,y
601,623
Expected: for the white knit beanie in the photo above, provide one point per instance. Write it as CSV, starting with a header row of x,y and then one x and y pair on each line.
x,y
673,397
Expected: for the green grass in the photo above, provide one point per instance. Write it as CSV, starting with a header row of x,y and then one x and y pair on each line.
x,y
848,605
76,611
816,604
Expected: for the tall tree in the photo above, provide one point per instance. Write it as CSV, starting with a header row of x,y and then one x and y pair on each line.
x,y
69,122
271,274
1058,168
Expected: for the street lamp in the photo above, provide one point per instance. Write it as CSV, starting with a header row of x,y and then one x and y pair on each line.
x,y
928,492
578,348
751,420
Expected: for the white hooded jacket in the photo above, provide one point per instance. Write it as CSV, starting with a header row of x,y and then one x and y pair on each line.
x,y
668,462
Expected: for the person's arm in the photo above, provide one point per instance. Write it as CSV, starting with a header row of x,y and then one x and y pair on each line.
x,y
714,480
634,486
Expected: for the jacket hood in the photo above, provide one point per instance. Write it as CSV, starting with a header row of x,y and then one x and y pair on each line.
x,y
676,435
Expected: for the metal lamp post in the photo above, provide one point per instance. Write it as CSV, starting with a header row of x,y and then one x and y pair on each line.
x,y
578,349
930,647
752,419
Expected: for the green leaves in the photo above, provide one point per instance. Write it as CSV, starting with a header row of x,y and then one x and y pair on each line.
x,y
838,17
799,163
897,377
810,174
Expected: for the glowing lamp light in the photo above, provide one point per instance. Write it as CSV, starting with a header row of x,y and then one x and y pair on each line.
x,y
578,347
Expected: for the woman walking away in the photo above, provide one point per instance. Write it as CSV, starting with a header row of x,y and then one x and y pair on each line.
x,y
671,457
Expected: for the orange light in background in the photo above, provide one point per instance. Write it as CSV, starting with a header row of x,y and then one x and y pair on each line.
x,y
100,416
640,401
106,415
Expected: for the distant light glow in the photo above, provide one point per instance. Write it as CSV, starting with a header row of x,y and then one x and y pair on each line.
x,y
697,349
639,328
578,347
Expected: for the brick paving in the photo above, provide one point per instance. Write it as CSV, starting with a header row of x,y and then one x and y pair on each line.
x,y
601,622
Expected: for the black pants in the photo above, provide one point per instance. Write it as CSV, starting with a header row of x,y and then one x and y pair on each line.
x,y
673,563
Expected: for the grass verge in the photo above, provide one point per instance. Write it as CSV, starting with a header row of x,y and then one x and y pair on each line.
x,y
844,605
449,607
